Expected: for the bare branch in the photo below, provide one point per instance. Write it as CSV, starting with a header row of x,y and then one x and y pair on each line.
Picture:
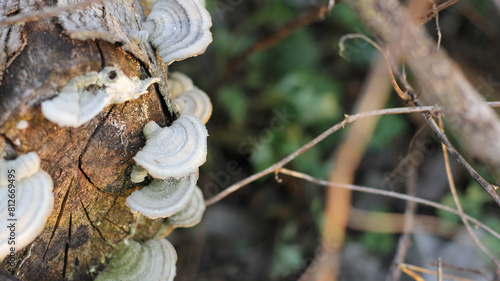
x,y
435,10
348,119
391,194
453,190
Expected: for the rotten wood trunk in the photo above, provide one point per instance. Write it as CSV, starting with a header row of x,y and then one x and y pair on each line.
x,y
90,165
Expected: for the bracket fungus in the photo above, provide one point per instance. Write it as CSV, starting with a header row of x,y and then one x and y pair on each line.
x,y
86,96
28,201
178,83
178,29
175,151
196,102
153,260
162,198
191,214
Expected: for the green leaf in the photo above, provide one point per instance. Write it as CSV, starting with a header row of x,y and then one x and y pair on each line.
x,y
389,128
235,102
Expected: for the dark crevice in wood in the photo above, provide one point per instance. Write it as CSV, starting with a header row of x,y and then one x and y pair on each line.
x,y
84,174
90,221
66,250
8,141
10,148
59,216
169,117
101,123
101,54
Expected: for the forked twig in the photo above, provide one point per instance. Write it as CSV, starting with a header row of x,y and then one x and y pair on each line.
x,y
348,119
453,190
413,268
433,12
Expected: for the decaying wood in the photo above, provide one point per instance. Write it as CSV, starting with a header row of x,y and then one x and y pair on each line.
x,y
90,165
440,79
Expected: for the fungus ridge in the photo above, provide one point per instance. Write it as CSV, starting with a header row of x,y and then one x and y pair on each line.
x,y
162,198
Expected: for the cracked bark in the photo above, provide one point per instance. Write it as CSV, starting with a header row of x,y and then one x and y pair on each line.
x,y
89,165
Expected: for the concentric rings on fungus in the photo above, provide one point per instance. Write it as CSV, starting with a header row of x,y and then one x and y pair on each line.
x,y
162,198
195,102
178,29
175,151
33,196
153,260
192,213
179,83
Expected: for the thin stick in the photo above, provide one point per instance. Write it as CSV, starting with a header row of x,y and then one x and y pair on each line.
x,y
271,40
415,268
433,12
453,190
387,193
440,267
459,268
390,64
46,13
348,119
438,28
408,224
489,188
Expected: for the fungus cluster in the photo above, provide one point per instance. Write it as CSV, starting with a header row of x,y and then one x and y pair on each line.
x,y
167,166
178,29
189,98
29,189
84,97
132,261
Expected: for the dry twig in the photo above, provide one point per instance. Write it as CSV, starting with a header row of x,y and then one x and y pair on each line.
x,y
435,10
408,224
413,268
272,39
391,194
453,190
348,119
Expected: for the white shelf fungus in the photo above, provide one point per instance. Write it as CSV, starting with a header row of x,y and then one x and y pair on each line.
x,y
162,198
175,151
195,102
179,83
86,96
138,174
153,260
192,213
24,166
178,29
33,199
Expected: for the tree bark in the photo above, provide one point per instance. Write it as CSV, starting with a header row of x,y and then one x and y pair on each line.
x,y
90,165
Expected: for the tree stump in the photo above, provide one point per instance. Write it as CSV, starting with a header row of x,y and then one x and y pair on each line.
x,y
90,165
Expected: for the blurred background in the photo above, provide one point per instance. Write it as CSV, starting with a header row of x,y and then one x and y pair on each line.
x,y
270,103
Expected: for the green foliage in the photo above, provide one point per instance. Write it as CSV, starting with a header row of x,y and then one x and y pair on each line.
x,y
234,101
379,243
472,202
287,256
298,52
388,129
